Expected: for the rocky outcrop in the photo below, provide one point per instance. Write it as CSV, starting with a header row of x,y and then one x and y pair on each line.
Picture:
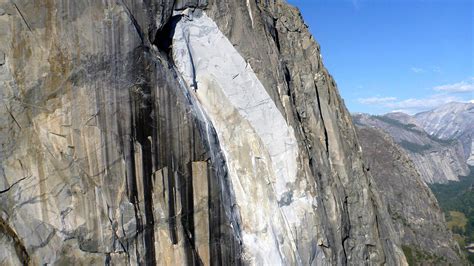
x,y
437,160
414,210
178,132
451,121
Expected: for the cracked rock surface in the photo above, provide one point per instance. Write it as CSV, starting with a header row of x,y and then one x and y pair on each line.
x,y
126,140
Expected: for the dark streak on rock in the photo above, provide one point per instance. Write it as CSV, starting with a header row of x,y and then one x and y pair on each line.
x,y
16,182
142,111
22,17
20,249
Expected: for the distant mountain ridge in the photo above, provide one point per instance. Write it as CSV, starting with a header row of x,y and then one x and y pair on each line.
x,y
439,141
451,121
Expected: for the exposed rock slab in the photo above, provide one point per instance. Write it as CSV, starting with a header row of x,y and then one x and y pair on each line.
x,y
101,132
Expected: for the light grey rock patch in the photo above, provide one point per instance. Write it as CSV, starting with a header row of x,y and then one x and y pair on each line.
x,y
229,90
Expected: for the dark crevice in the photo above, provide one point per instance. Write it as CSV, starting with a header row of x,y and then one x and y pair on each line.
x,y
377,226
20,249
142,130
164,41
135,23
22,17
274,33
107,259
12,185
345,229
292,93
142,110
171,179
189,219
225,241
326,137
132,181
270,25
12,116
321,190
164,37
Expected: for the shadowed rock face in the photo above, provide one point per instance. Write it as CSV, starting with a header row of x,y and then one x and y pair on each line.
x,y
126,140
414,210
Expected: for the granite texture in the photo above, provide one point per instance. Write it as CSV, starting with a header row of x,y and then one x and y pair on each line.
x,y
114,153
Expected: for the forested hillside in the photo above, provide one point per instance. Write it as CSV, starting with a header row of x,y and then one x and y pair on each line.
x,y
457,201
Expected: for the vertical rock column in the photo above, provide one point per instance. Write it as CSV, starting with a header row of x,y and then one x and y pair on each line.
x,y
201,210
169,250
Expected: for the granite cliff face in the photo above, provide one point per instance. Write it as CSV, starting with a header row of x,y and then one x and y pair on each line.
x,y
414,210
437,160
177,132
451,121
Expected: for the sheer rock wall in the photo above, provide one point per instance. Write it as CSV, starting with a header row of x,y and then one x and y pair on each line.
x,y
109,154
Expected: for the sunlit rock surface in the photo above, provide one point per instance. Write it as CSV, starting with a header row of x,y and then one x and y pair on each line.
x,y
437,160
451,121
177,132
253,135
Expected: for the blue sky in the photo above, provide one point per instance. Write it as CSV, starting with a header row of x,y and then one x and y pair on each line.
x,y
395,55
